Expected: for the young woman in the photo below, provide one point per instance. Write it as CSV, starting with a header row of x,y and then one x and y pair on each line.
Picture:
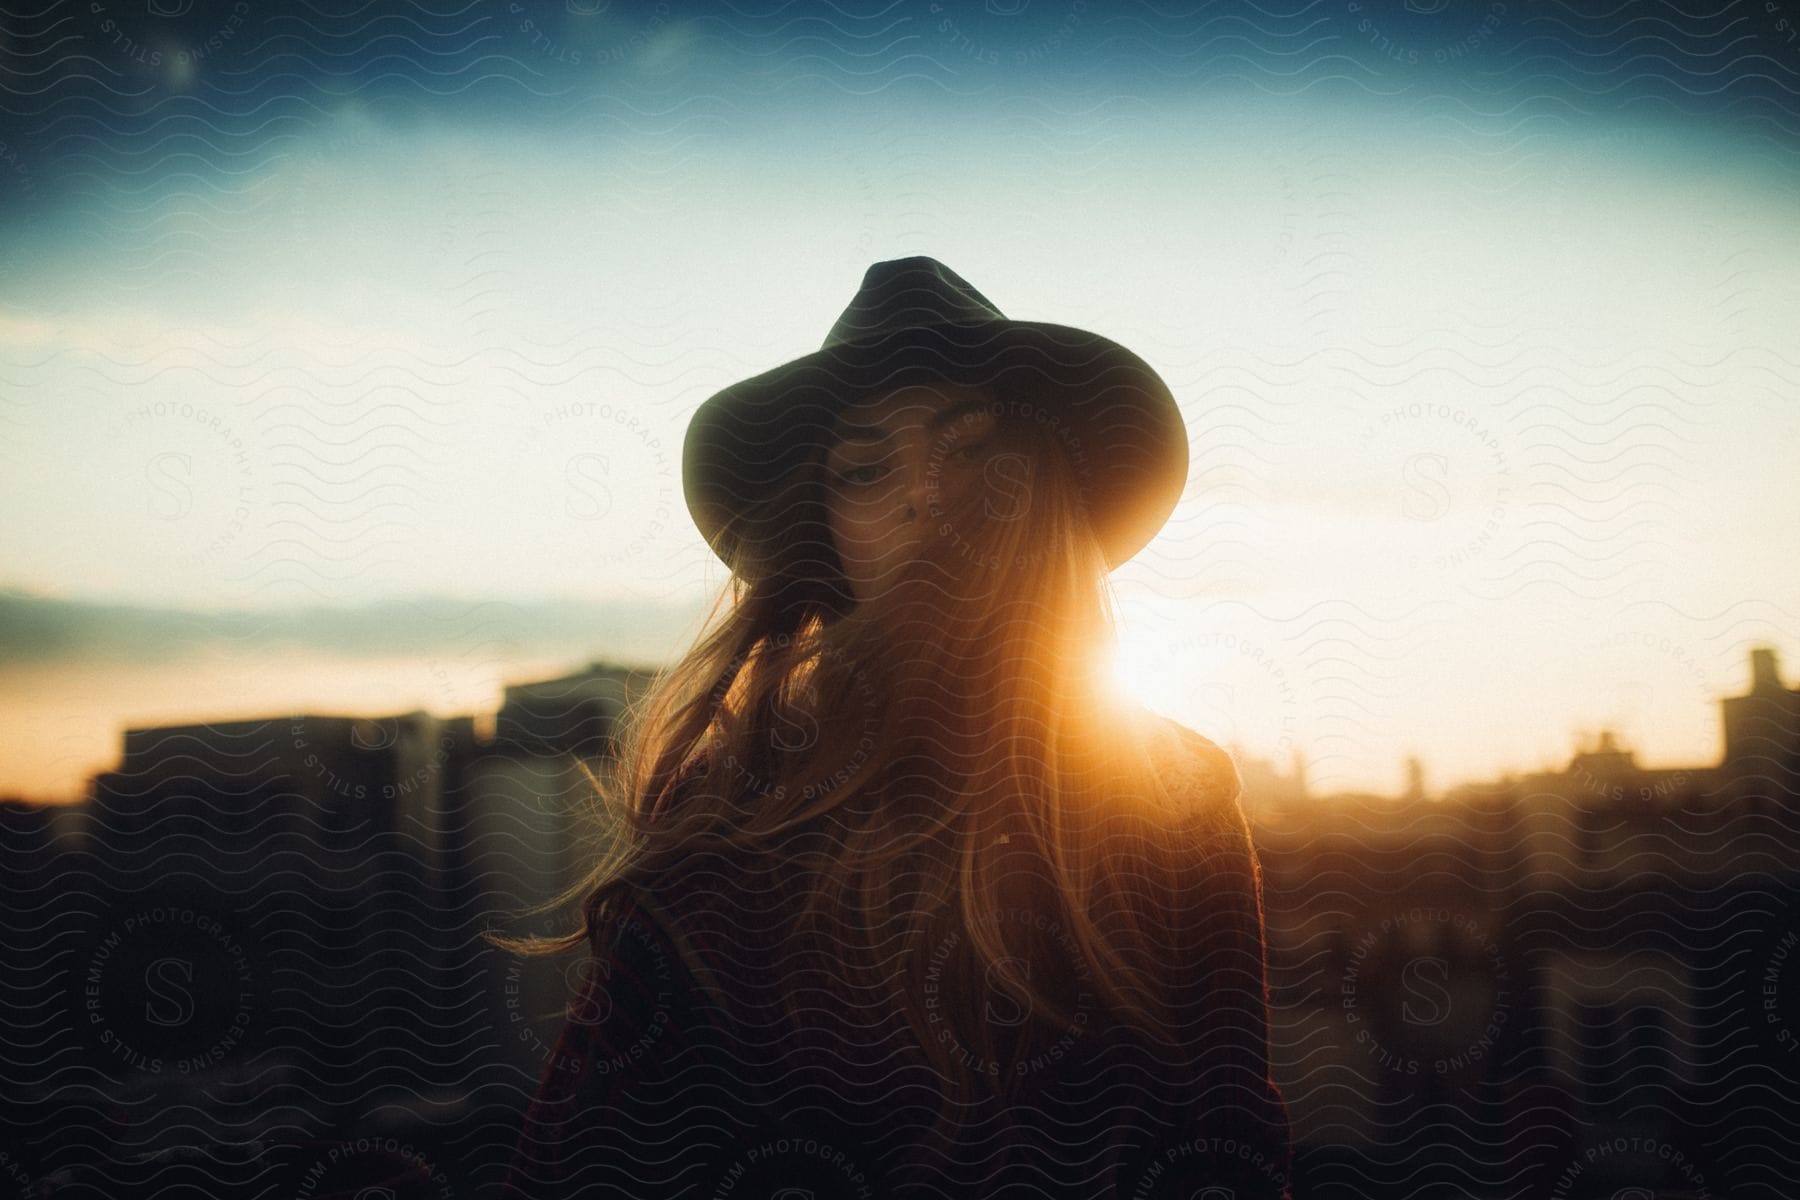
x,y
900,897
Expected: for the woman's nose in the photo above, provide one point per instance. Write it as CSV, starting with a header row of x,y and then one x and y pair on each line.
x,y
914,495
919,493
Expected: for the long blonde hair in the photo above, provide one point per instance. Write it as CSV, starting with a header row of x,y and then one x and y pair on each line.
x,y
933,741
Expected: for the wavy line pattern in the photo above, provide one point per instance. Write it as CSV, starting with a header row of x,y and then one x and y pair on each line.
x,y
250,964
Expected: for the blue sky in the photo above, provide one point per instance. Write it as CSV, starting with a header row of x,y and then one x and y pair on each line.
x,y
1482,325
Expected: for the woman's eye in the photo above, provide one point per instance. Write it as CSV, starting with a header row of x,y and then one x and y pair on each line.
x,y
856,476
972,451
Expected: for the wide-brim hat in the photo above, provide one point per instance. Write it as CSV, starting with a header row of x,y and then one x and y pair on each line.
x,y
914,320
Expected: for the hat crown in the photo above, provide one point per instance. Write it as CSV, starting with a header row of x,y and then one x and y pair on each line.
x,y
909,293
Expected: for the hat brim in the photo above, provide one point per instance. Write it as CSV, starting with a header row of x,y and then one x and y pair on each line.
x,y
1118,420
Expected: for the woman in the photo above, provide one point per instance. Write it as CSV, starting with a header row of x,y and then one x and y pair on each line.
x,y
899,898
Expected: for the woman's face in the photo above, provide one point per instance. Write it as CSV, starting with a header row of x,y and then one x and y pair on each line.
x,y
893,462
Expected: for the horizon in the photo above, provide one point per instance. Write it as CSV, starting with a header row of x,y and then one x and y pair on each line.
x,y
479,692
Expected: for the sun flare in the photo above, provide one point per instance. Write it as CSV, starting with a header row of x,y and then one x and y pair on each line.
x,y
1143,672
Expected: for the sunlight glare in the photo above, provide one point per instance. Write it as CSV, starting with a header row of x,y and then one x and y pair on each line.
x,y
1143,673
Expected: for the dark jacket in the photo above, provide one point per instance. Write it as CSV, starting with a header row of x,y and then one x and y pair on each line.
x,y
676,1074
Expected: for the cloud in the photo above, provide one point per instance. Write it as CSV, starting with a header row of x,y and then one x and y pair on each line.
x,y
39,631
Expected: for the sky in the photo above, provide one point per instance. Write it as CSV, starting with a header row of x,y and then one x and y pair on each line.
x,y
346,364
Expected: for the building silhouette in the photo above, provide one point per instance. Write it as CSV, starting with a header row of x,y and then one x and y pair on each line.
x,y
276,923
267,931
1527,973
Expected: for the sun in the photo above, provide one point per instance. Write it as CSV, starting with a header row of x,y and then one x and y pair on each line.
x,y
1143,672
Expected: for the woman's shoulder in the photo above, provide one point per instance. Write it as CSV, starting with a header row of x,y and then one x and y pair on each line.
x,y
1192,762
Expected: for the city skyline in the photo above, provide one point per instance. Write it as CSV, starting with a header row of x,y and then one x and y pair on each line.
x,y
1277,764
247,901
